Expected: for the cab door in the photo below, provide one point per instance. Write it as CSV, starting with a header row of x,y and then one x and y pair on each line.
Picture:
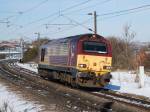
x,y
73,53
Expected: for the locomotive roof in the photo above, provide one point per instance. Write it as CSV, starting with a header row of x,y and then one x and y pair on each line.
x,y
76,37
66,39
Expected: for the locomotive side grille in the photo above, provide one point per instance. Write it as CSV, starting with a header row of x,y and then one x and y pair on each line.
x,y
60,60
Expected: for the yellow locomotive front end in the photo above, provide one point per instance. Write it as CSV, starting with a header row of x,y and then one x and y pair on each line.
x,y
94,63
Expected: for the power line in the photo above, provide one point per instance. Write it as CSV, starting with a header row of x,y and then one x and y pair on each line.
x,y
123,11
58,24
114,14
28,10
77,23
76,5
3,22
58,12
79,9
53,19
53,14
122,14
88,7
8,12
71,27
35,7
67,29
66,9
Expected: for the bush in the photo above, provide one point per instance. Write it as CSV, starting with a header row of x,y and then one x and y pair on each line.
x,y
31,54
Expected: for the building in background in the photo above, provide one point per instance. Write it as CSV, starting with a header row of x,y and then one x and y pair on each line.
x,y
10,50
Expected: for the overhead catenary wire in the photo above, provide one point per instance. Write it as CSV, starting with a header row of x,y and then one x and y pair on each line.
x,y
58,12
76,5
8,12
126,10
53,19
66,29
19,13
77,23
70,27
99,3
113,15
122,14
36,6
88,7
66,9
82,3
110,14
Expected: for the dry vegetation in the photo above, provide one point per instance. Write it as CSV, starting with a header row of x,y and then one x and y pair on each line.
x,y
123,50
125,53
32,53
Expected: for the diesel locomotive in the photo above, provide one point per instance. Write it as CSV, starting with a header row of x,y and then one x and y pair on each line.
x,y
81,60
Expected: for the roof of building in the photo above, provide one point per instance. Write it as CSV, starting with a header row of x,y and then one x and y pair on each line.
x,y
9,44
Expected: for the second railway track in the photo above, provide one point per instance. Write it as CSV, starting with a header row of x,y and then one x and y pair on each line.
x,y
100,101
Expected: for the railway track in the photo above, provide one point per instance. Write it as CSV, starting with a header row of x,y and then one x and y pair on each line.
x,y
114,102
143,105
71,102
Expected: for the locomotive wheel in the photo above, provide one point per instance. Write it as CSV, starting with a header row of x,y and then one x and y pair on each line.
x,y
74,83
42,74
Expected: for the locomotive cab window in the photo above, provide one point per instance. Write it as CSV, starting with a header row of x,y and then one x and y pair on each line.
x,y
95,47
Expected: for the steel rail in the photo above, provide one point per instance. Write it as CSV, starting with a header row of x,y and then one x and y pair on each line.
x,y
120,98
19,75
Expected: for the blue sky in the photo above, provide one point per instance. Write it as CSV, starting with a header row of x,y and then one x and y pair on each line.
x,y
26,17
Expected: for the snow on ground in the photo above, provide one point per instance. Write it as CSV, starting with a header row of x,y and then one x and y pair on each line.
x,y
126,80
129,83
16,103
29,66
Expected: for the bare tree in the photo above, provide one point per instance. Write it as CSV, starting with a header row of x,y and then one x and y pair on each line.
x,y
123,49
128,36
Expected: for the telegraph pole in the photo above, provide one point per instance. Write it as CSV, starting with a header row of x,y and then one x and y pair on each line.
x,y
95,22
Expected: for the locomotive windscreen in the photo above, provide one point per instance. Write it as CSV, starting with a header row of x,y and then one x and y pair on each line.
x,y
95,47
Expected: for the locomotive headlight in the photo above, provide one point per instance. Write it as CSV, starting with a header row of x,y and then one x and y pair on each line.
x,y
82,65
107,67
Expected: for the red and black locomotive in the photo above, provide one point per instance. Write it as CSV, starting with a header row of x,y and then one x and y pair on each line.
x,y
83,60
